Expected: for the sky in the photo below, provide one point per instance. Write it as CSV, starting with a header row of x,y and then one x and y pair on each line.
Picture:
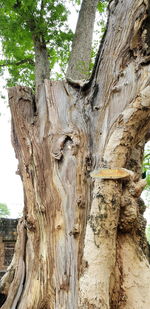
x,y
10,184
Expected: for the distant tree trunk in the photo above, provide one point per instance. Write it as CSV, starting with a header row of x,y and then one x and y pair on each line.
x,y
82,239
80,58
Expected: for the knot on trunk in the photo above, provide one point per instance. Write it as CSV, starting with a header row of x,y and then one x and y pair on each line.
x,y
130,206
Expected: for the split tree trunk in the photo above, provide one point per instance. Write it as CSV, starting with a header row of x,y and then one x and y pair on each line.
x,y
84,240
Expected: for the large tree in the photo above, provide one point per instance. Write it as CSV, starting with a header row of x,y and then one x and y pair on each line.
x,y
35,35
81,242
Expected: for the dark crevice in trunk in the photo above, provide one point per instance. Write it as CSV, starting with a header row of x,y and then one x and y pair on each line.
x,y
3,297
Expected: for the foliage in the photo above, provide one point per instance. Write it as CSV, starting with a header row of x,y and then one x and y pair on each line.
x,y
100,28
20,21
102,5
148,233
146,192
146,165
4,211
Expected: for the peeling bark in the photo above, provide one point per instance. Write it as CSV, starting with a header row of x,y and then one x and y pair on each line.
x,y
54,171
85,238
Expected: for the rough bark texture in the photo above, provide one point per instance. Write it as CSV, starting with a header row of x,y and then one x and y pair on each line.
x,y
42,66
83,241
80,58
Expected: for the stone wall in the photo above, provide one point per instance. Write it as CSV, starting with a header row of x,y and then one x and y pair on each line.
x,y
8,235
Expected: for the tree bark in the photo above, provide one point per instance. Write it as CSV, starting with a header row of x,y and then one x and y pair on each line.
x,y
42,65
84,238
80,57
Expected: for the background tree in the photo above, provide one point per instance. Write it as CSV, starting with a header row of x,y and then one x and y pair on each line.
x,y
81,241
148,233
35,36
80,58
4,211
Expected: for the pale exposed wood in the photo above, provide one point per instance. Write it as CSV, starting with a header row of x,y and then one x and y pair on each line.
x,y
136,275
122,123
57,191
82,234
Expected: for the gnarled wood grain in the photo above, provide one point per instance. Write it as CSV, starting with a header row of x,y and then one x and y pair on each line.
x,y
82,234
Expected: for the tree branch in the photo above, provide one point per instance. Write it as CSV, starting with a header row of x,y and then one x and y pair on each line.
x,y
8,62
42,7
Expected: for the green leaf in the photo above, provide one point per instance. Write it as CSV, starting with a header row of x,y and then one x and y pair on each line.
x,y
148,179
19,22
4,211
101,6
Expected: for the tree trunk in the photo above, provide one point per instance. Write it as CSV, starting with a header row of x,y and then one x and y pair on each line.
x,y
83,243
80,58
42,65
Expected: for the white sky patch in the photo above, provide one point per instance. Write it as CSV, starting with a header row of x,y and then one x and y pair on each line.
x,y
10,184
146,193
73,16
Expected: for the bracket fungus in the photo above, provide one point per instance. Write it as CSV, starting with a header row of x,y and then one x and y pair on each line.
x,y
111,173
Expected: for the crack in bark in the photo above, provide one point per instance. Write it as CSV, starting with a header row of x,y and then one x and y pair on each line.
x,y
63,187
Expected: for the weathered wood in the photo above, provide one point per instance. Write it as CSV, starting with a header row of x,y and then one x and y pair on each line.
x,y
120,133
82,234
54,163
